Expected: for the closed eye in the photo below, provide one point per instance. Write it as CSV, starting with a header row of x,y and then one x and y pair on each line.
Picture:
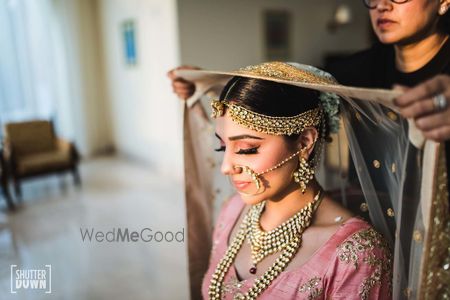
x,y
253,150
247,151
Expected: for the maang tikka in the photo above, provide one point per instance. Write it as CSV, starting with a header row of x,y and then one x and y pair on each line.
x,y
305,172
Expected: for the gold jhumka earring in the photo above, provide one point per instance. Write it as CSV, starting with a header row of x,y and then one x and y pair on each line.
x,y
305,172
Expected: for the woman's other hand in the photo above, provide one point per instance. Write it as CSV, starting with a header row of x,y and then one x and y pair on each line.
x,y
428,104
183,88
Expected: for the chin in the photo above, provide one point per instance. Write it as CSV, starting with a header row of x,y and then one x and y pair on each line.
x,y
388,38
252,200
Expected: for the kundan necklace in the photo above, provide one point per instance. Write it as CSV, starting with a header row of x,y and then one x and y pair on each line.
x,y
286,238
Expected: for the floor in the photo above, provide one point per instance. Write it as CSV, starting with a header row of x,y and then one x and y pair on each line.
x,y
115,193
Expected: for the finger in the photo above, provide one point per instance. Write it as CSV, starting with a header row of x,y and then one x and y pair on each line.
x,y
176,88
424,90
187,93
399,87
184,95
186,89
182,84
418,109
440,134
433,121
171,74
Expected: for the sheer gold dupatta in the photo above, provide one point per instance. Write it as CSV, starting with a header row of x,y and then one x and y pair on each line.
x,y
199,200
204,190
434,267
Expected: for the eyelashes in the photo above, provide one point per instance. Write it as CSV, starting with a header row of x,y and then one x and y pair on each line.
x,y
247,151
253,150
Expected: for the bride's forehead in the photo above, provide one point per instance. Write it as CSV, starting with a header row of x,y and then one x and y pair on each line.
x,y
225,127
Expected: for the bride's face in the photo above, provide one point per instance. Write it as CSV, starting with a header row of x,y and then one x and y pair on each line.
x,y
258,151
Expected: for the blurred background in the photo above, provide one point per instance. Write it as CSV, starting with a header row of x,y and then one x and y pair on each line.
x,y
92,134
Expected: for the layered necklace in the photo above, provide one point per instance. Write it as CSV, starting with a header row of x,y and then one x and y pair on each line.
x,y
286,238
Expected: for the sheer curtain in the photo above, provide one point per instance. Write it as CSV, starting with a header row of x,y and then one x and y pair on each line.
x,y
32,64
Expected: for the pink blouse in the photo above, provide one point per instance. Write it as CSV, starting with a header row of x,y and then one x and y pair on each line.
x,y
355,263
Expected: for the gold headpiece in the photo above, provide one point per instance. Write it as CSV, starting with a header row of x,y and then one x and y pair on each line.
x,y
283,71
267,124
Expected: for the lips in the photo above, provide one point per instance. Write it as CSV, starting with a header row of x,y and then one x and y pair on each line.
x,y
384,23
241,185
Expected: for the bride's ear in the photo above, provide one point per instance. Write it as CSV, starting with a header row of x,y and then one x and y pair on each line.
x,y
308,139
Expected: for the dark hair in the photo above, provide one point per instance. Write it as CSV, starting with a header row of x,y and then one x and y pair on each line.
x,y
444,22
273,99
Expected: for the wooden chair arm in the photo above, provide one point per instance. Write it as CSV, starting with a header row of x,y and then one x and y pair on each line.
x,y
65,145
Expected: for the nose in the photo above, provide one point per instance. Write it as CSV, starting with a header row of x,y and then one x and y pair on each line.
x,y
227,167
384,5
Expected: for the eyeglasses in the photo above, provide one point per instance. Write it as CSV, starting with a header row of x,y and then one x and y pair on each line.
x,y
372,4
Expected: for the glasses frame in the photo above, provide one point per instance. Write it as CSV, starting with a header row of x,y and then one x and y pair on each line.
x,y
366,4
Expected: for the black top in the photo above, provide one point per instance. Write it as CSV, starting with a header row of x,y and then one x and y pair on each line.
x,y
376,68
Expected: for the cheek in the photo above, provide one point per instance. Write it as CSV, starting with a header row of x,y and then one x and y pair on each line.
x,y
279,179
417,18
275,182
282,175
269,157
373,17
408,22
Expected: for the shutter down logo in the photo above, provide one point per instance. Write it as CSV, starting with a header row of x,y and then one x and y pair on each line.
x,y
31,279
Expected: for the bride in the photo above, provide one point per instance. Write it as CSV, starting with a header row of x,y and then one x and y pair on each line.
x,y
281,236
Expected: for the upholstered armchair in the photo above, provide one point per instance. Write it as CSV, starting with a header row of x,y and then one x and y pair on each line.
x,y
32,149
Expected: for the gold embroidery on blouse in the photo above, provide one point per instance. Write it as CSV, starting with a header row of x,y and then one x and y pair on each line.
x,y
381,268
368,239
312,287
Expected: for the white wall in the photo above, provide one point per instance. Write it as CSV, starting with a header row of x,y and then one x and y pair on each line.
x,y
82,107
227,34
145,113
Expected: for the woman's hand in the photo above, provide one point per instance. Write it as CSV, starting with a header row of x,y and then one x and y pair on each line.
x,y
428,104
183,88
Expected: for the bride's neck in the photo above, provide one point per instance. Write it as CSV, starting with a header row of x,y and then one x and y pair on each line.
x,y
277,211
413,56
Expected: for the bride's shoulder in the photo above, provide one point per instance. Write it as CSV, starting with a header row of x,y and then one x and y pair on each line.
x,y
350,234
330,213
362,259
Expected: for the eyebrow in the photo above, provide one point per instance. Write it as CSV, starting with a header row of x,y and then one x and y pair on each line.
x,y
240,137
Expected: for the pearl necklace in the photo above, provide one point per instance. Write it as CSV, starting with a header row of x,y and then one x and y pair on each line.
x,y
289,243
264,243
